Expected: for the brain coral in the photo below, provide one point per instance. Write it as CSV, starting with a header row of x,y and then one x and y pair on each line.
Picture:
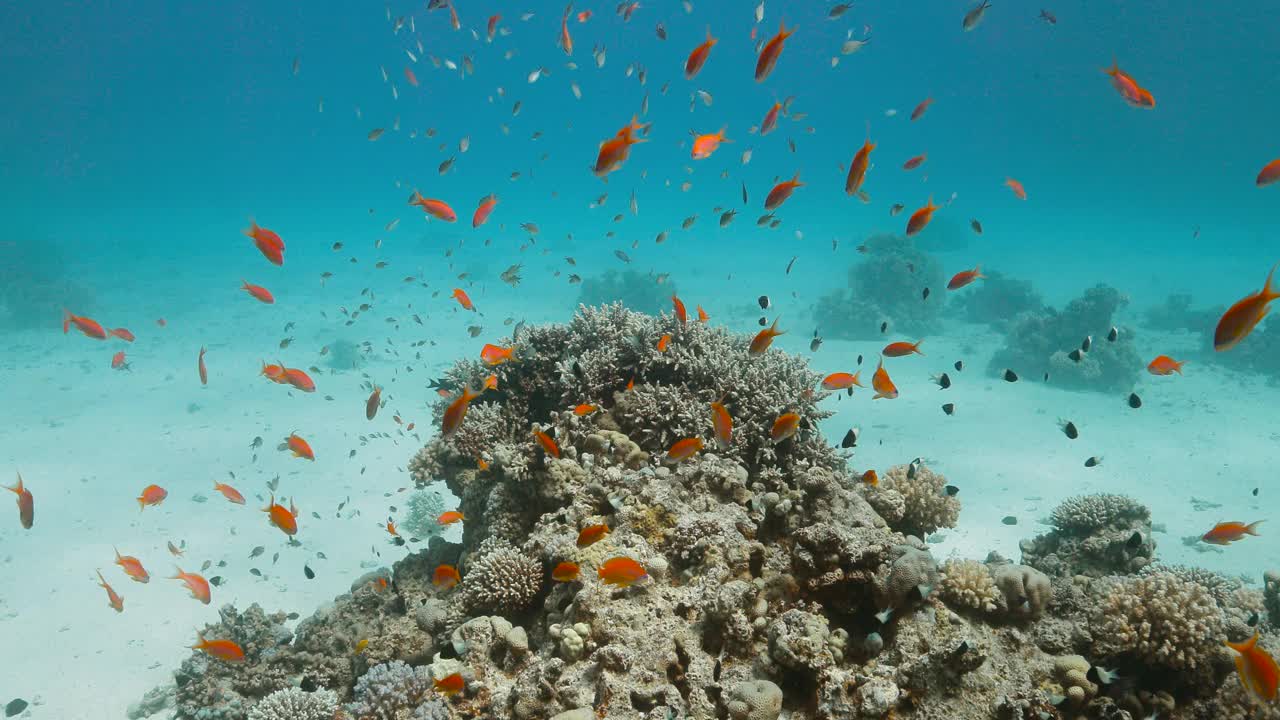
x,y
1160,619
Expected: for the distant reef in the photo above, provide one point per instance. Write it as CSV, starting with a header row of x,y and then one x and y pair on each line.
x,y
886,286
770,581
637,291
35,285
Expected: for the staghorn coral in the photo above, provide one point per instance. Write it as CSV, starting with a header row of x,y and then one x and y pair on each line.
x,y
885,286
635,291
1159,620
294,704
389,692
913,501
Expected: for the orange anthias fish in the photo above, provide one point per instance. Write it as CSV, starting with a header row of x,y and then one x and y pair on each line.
x,y
391,528
229,493
663,342
123,334
920,218
882,384
493,355
450,517
299,380
764,338
132,567
614,151
151,495
722,424
491,27
698,56
678,306
26,503
870,477
445,577
483,211
373,403
437,209
258,292
298,446
463,299
1225,533
456,411
204,372
87,326
274,373
702,315
1018,191
267,242
964,277
770,120
1129,89
548,443
450,684
284,518
1240,319
770,52
704,145
1259,673
902,348
781,192
592,534
1270,173
858,168
786,426
585,409
198,586
915,162
565,572
225,650
684,449
841,381
566,40
115,601
621,571
1165,365
921,108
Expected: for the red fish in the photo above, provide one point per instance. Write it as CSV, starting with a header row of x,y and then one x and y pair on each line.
x,y
437,209
964,277
899,349
284,518
445,577
198,586
592,534
920,218
230,493
784,427
615,151
204,371
565,572
663,342
258,292
871,478
115,601
841,381
621,571
1240,319
461,296
704,145
123,334
770,52
450,685
684,449
1270,173
299,447
702,315
921,109
274,373
456,411
781,192
373,403
449,517
764,338
408,75
566,40
1259,673
391,528
548,443
693,65
494,355
26,503
678,306
87,326
132,567
883,384
481,216
118,361
1225,533
491,27
1165,365
1018,191
722,424
770,120
225,650
915,162
299,379
585,409
1129,89
858,166
267,242
152,495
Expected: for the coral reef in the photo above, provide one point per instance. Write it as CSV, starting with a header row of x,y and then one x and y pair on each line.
x,y
1093,535
1176,314
636,291
1039,344
424,506
887,285
35,286
390,691
294,704
998,300
913,500
346,355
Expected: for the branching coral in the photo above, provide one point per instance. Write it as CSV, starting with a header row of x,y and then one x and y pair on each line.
x,y
1086,513
389,692
1160,620
294,704
1093,535
502,580
913,499
886,286
968,584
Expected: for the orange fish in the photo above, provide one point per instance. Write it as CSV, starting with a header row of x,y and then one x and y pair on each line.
x,y
225,650
490,383
1225,533
585,409
229,493
299,447
123,334
1165,365
565,572
684,449
461,296
786,426
592,534
267,242
899,349
921,108
284,518
204,372
781,192
408,75
882,384
858,167
566,40
915,162
1018,191
450,684
869,477
274,373
152,495
115,601
26,503
699,56
722,424
702,315
299,380
445,577
841,381
481,464
87,326
481,216
964,277
681,315
548,443
770,52
437,209
492,355
1240,319
663,341
920,218
1129,89
770,120
704,145
391,528
492,27
198,586
258,292
456,411
118,361
132,567
615,151
373,403
1259,673
1270,173
450,517
621,571
764,338
584,16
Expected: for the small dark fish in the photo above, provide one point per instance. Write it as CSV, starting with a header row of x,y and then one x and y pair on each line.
x,y
977,226
1009,520
474,330
1255,492
884,326
1253,619
727,217
815,343
950,491
622,256
763,321
1094,461
1069,429
959,365
17,705
859,359
925,295
949,408
1135,402
744,193
255,572
1076,355
1010,376
257,442
897,208
661,31
1048,17
1135,540
286,343
216,581
256,552
793,262
943,381
838,10
1046,376
1087,343
763,300
688,222
1113,334
850,439
974,16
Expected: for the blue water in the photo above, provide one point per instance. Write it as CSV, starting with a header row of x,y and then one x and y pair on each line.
x,y
139,138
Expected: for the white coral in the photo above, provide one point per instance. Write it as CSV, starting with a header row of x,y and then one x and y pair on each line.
x,y
968,583
294,704
1161,618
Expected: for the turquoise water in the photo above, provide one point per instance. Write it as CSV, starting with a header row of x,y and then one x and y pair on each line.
x,y
140,138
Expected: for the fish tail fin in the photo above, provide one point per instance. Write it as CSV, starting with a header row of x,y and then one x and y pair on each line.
x,y
916,348
1252,528
1268,294
142,504
15,488
66,320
